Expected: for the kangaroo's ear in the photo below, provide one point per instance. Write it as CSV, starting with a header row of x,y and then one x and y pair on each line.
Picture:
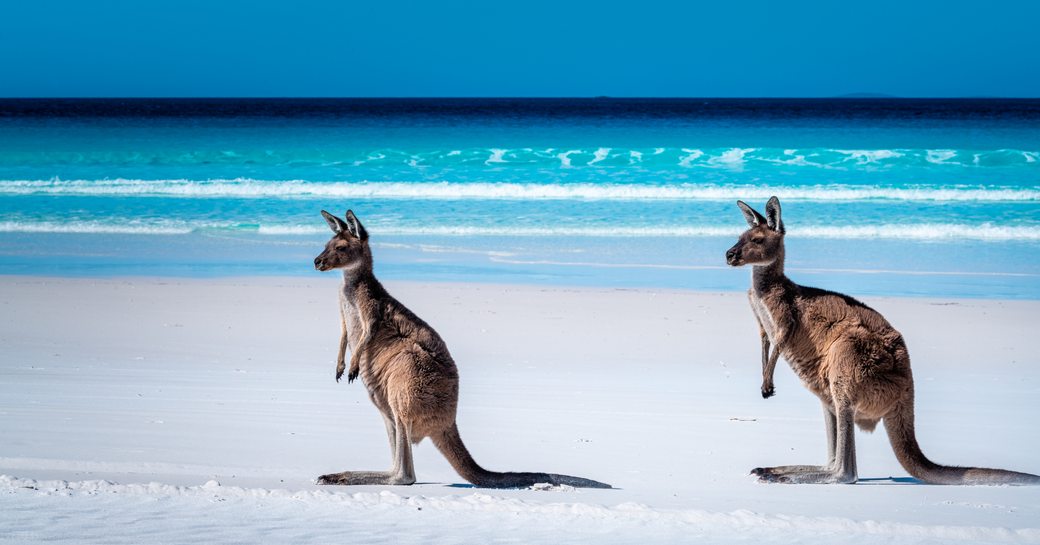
x,y
335,223
773,215
754,219
354,226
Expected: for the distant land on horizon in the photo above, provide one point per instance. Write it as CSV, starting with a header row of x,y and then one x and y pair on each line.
x,y
863,106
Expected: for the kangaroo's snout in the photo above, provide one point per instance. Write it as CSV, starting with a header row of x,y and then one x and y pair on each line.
x,y
319,263
733,256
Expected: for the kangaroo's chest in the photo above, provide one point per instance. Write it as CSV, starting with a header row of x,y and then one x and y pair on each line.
x,y
800,352
351,317
765,317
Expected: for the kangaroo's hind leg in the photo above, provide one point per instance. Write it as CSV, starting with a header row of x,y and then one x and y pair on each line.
x,y
391,433
395,475
841,470
842,361
404,468
831,423
771,474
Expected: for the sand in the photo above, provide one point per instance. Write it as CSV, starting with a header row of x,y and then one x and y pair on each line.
x,y
178,410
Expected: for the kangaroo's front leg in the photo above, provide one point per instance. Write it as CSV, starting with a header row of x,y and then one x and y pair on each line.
x,y
356,351
341,356
768,368
780,331
355,359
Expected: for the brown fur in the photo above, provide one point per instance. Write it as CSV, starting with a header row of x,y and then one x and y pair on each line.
x,y
410,376
844,352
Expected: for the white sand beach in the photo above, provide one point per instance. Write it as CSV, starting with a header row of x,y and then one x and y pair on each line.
x,y
149,410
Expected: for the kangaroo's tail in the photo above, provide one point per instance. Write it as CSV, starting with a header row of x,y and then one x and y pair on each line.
x,y
451,446
900,427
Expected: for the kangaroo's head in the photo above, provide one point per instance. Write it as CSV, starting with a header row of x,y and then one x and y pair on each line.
x,y
763,242
348,247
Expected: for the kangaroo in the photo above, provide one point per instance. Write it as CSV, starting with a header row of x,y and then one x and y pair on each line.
x,y
410,376
844,352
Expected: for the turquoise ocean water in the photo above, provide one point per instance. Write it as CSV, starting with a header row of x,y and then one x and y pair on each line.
x,y
880,197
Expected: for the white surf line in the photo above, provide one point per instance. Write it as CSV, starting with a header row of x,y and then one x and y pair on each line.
x,y
246,188
481,502
919,232
722,267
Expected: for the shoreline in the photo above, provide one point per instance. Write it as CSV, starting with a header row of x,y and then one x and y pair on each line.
x,y
801,275
863,268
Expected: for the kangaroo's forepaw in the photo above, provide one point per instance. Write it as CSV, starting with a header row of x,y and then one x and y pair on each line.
x,y
768,391
353,375
340,367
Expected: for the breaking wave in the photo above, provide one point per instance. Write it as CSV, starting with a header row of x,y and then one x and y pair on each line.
x,y
299,189
549,157
919,232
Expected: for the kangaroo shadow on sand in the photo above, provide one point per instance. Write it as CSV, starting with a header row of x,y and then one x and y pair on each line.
x,y
473,486
889,480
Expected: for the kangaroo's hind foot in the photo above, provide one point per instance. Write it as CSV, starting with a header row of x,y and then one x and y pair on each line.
x,y
366,477
803,475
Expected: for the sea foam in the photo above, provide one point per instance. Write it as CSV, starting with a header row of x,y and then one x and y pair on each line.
x,y
299,189
919,232
659,158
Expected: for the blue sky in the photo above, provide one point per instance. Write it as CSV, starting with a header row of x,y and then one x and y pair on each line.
x,y
521,48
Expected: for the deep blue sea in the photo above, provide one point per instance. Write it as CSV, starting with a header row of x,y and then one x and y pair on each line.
x,y
880,196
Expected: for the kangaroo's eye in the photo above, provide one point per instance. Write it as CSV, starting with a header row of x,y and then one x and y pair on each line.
x,y
757,240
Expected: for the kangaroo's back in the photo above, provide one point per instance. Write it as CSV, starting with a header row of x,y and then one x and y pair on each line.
x,y
401,330
827,316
